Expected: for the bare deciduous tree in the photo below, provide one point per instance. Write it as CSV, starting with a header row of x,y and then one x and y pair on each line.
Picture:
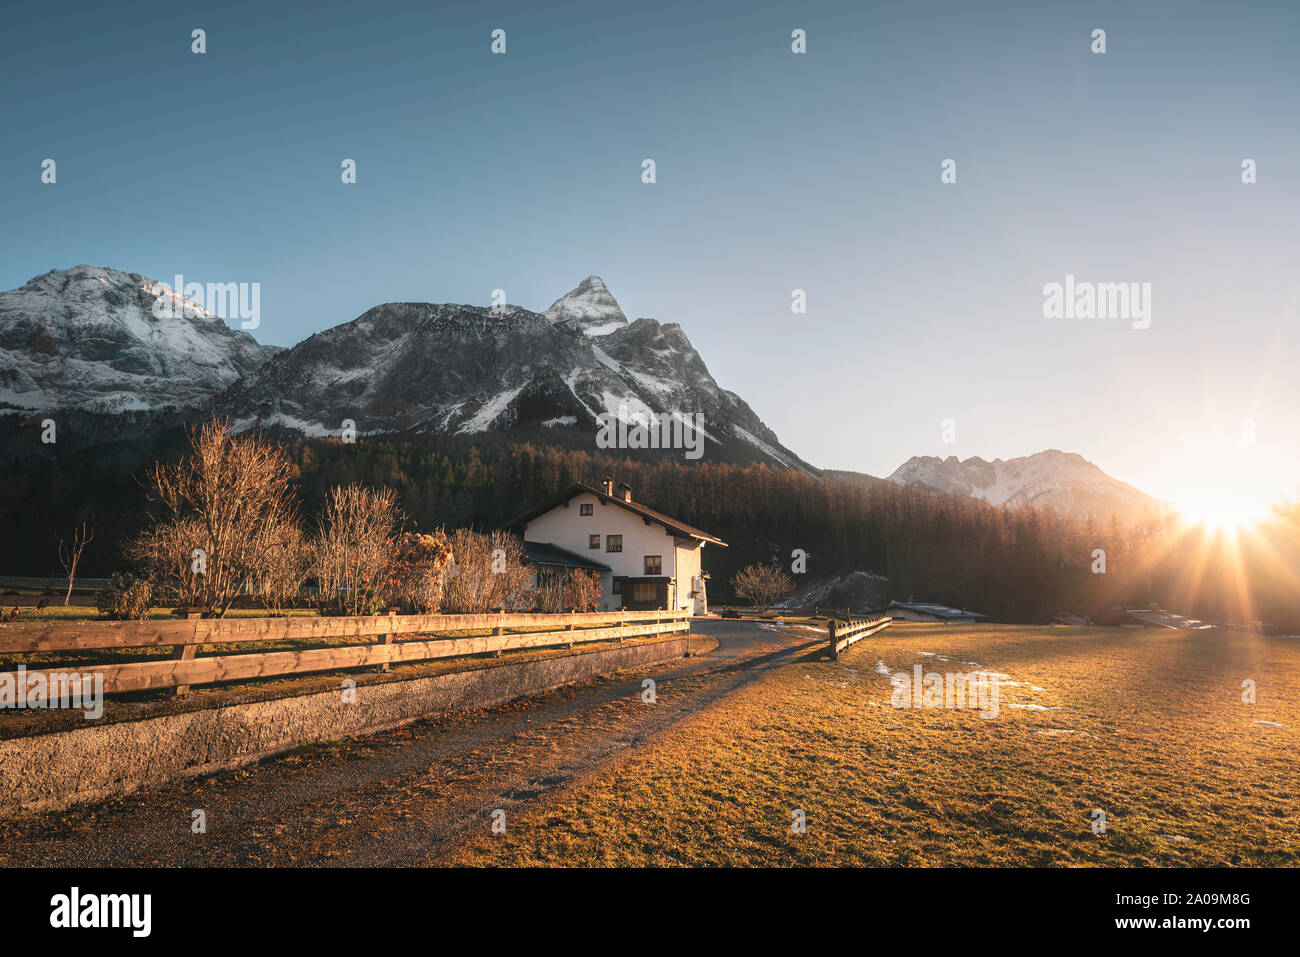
x,y
70,554
762,585
234,490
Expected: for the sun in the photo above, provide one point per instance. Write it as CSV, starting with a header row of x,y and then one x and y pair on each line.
x,y
1220,510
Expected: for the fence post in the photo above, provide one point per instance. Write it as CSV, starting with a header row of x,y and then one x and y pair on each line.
x,y
387,639
499,630
830,630
570,627
185,653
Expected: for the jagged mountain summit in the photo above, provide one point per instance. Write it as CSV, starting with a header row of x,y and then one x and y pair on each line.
x,y
426,368
590,307
1062,481
87,340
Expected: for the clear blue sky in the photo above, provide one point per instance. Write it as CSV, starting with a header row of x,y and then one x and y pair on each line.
x,y
775,171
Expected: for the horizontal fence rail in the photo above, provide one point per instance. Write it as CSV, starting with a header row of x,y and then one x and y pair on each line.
x,y
15,582
844,633
184,637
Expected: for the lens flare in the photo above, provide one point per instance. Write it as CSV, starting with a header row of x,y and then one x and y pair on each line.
x,y
1220,509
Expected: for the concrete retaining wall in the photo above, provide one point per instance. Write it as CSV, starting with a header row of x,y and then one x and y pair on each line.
x,y
52,771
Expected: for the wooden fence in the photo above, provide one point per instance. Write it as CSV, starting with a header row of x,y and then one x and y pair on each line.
x,y
844,633
184,636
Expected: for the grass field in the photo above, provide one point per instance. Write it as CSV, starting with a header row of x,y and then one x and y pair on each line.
x,y
1148,726
83,609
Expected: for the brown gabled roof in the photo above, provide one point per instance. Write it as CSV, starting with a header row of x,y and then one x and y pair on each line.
x,y
677,528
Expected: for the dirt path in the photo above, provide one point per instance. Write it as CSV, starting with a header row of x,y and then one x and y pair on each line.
x,y
403,797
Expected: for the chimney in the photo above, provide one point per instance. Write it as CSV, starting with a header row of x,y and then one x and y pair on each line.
x,y
607,486
626,490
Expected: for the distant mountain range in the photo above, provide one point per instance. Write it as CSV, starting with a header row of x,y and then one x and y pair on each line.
x,y
85,342
87,346
1061,481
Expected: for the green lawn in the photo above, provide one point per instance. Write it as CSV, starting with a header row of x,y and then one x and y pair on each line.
x,y
1147,726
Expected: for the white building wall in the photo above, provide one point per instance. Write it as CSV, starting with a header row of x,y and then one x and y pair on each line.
x,y
689,572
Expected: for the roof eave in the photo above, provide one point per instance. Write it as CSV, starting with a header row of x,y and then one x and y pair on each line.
x,y
578,488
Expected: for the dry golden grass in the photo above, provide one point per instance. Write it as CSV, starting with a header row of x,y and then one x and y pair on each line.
x,y
1160,740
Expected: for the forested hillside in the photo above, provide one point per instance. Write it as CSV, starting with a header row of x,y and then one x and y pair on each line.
x,y
1012,564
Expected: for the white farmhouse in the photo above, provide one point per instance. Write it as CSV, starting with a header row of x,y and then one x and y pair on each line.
x,y
646,560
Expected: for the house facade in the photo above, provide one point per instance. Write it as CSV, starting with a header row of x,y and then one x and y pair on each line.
x,y
646,560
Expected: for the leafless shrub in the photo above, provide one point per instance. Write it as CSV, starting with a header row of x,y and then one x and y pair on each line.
x,y
568,590
286,566
489,573
762,585
352,548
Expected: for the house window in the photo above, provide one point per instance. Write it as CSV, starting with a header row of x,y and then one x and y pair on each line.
x,y
654,565
618,586
593,541
613,543
584,509
645,591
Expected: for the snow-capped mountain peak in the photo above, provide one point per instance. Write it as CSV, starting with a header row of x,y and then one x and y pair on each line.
x,y
590,306
1062,481
88,339
455,369
88,342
